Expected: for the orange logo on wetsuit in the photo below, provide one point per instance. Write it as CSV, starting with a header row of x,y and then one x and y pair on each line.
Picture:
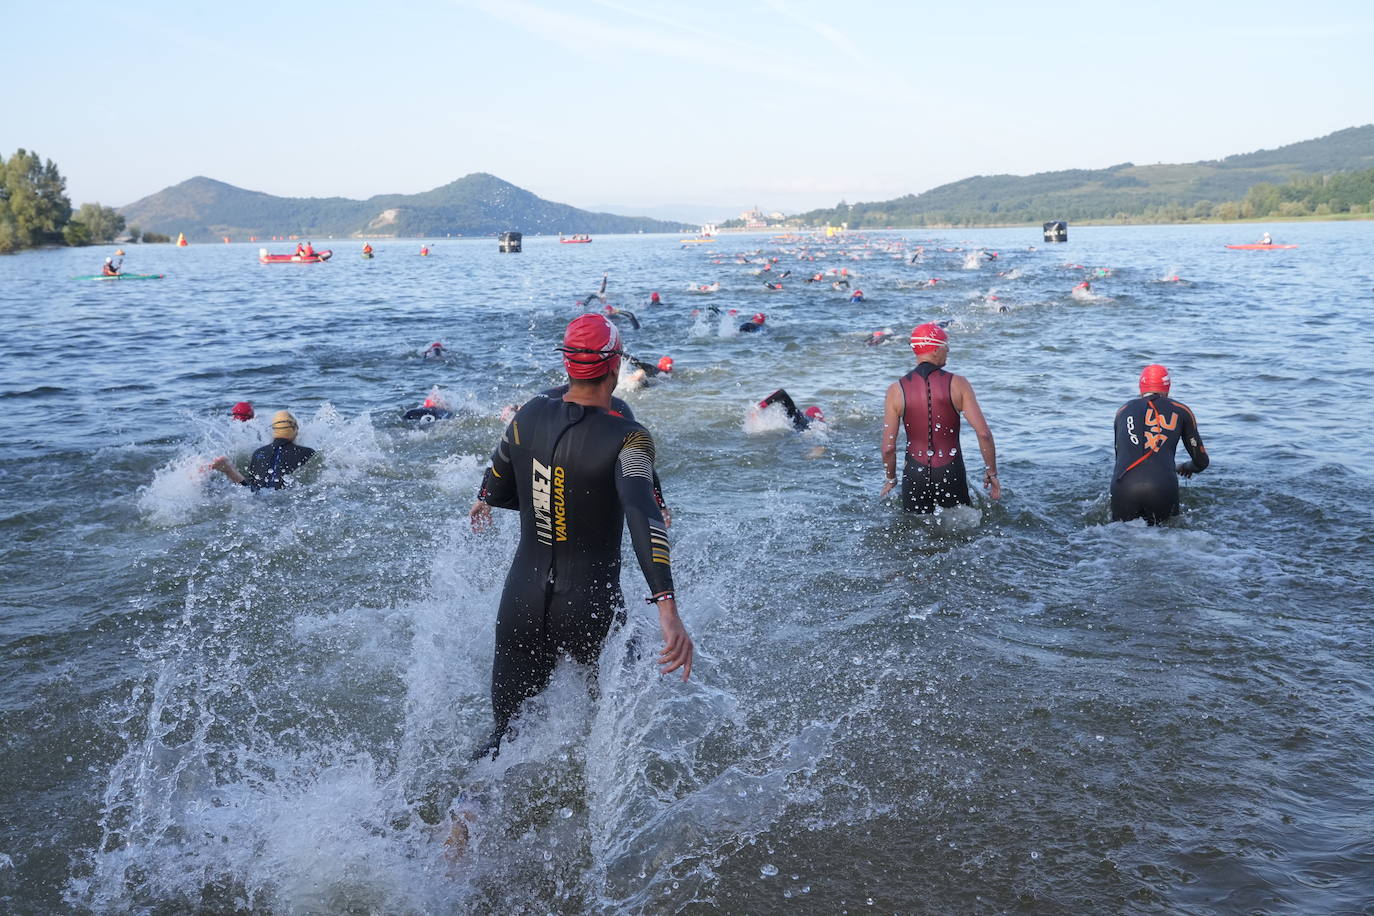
x,y
1157,427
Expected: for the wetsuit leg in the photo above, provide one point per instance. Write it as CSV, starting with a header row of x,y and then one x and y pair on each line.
x,y
1144,498
925,489
525,656
579,623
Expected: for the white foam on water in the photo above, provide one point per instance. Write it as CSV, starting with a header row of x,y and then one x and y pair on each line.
x,y
759,420
348,448
1084,295
176,491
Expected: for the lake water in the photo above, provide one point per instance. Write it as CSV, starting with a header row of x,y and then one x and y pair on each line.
x,y
225,702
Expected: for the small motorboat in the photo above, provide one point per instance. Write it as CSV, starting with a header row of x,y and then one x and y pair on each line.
x,y
574,239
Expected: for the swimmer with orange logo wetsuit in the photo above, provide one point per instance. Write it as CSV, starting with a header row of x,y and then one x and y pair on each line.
x,y
579,473
1148,431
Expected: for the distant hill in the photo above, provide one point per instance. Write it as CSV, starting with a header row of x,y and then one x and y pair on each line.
x,y
478,204
1119,192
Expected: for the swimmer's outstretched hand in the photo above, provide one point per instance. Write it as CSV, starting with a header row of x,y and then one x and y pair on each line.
x,y
223,465
992,485
677,644
480,516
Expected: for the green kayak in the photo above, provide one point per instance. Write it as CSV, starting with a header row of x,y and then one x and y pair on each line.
x,y
122,277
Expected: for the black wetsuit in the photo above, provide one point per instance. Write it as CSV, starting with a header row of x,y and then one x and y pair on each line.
x,y
750,327
620,407
1145,481
271,463
649,369
577,475
933,475
799,420
427,414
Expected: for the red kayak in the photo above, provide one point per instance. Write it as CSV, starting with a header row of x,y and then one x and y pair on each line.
x,y
315,258
1258,247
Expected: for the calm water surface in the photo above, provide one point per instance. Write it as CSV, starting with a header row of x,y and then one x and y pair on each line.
x,y
224,702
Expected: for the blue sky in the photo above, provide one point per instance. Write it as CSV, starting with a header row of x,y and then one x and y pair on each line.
x,y
789,104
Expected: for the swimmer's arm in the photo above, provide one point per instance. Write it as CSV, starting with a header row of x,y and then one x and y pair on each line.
x,y
648,533
893,405
1192,441
965,401
225,466
498,483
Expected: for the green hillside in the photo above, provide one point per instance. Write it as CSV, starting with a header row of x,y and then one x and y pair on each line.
x,y
1121,192
477,204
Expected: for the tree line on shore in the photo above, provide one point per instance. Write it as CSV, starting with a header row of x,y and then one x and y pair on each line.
x,y
35,210
1330,194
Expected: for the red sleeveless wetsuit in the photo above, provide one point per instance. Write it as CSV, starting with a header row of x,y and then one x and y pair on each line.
x,y
934,472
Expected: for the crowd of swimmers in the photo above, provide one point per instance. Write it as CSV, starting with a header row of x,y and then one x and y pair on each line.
x,y
579,470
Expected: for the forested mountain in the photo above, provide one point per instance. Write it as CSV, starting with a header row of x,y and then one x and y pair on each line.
x,y
477,204
1213,188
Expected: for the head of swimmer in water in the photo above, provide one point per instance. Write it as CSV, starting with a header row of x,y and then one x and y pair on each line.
x,y
591,350
284,425
1154,379
930,343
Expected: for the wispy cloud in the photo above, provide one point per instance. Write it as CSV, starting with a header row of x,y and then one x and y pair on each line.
x,y
838,40
699,47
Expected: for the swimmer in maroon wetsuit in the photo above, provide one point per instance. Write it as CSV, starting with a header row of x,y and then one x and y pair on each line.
x,y
579,473
1148,431
926,402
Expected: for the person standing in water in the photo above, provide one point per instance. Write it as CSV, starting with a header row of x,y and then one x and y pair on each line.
x,y
927,402
270,464
1148,430
578,473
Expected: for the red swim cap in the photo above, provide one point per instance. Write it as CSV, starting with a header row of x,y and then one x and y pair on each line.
x,y
653,297
436,346
665,364
1154,377
759,318
243,410
927,338
591,347
814,413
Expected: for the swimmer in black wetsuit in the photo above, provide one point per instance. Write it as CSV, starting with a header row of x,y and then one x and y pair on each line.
x,y
1148,431
599,296
578,472
926,402
753,324
272,463
801,419
613,312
